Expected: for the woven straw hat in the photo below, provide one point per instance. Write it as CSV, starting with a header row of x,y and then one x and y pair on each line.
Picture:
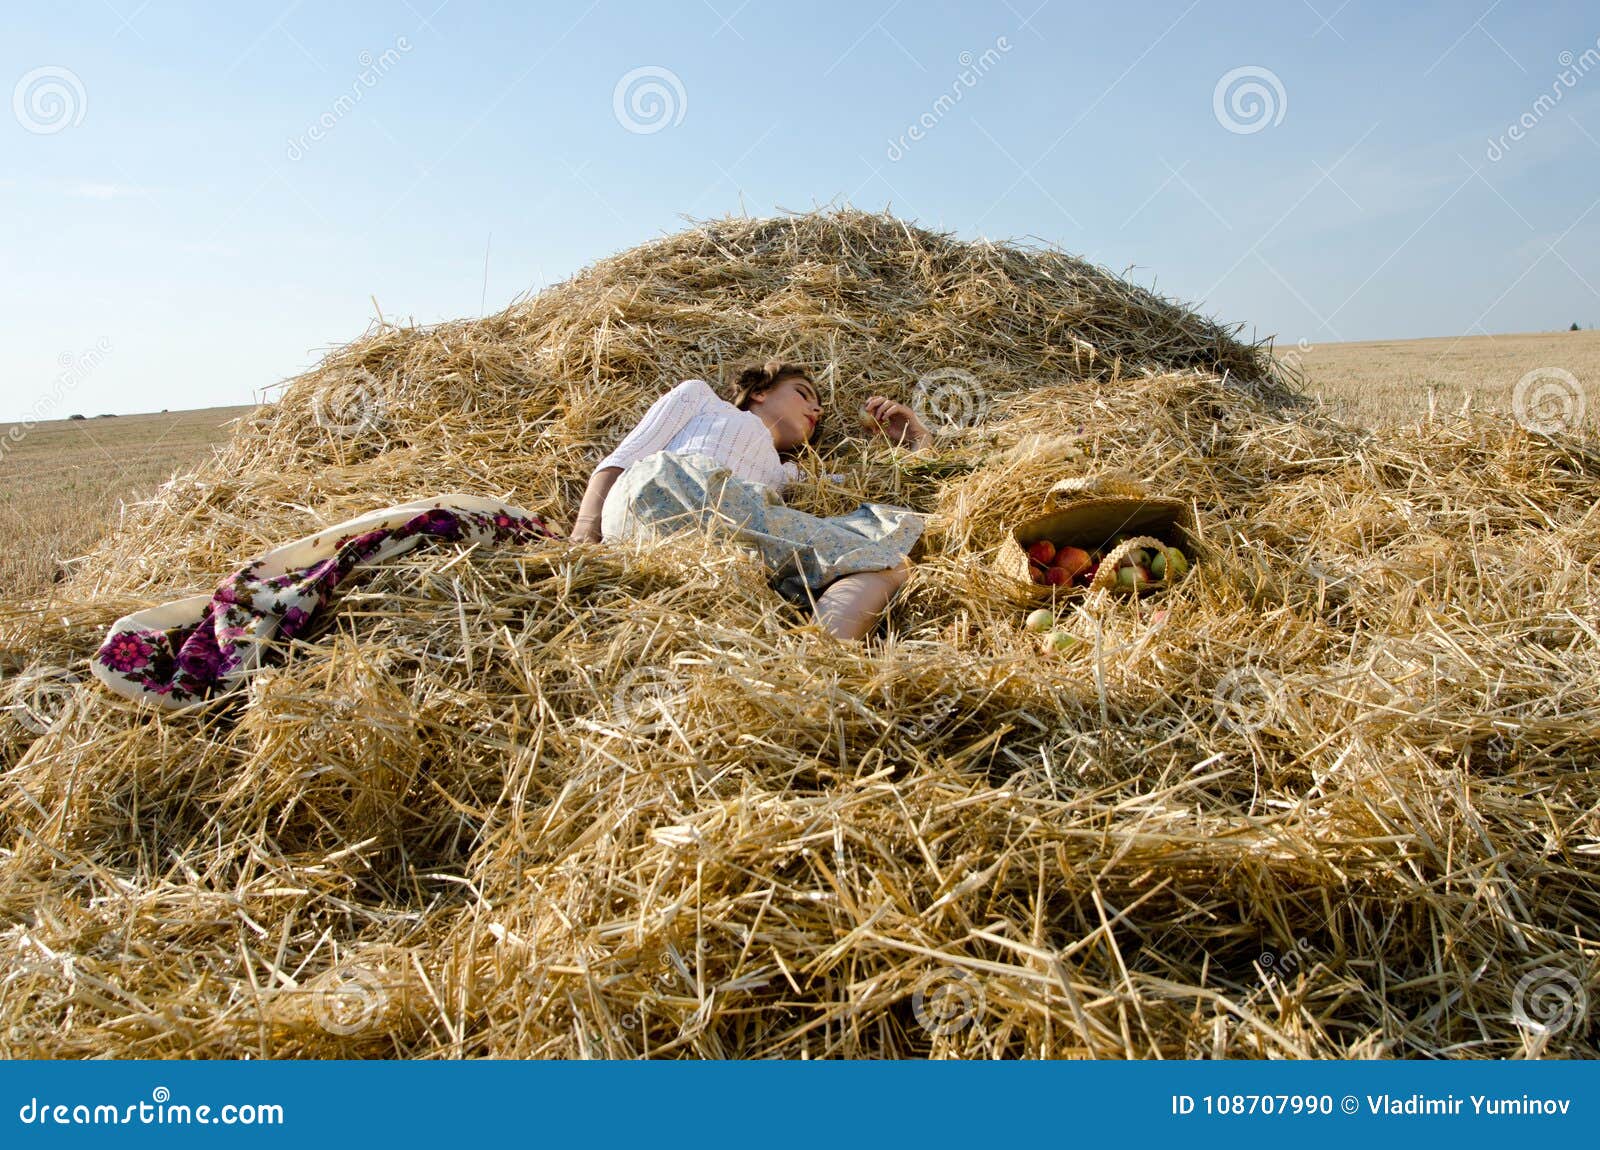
x,y
1095,509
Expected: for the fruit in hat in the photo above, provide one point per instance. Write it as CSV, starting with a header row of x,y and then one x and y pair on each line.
x,y
1043,551
1073,560
1132,576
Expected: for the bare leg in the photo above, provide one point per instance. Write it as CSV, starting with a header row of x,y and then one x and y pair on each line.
x,y
850,607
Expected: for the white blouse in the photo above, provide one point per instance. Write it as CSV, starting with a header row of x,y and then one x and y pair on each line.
x,y
692,417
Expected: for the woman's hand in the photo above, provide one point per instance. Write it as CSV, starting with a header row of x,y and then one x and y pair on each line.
x,y
585,530
897,422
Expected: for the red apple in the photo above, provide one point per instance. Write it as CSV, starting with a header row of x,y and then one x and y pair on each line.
x,y
1072,560
1042,552
1056,576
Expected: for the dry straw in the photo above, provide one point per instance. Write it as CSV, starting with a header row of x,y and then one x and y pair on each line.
x,y
575,800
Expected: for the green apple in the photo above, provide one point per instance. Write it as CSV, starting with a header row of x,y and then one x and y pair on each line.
x,y
1041,620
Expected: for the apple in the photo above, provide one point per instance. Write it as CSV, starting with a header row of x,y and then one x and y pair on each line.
x,y
1133,576
1042,552
1041,620
1177,563
1056,576
1059,641
1158,564
1073,560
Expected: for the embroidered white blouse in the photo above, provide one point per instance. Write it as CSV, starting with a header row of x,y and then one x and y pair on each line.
x,y
692,417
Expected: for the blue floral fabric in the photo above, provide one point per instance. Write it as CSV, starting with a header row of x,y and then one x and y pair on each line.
x,y
670,491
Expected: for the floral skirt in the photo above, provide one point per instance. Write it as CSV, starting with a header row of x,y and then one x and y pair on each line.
x,y
182,652
670,491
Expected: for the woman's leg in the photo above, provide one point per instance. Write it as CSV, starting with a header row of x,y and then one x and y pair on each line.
x,y
849,607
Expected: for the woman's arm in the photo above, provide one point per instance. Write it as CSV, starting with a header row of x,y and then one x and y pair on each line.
x,y
666,417
586,529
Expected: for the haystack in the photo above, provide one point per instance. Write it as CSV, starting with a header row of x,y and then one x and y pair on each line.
x,y
574,800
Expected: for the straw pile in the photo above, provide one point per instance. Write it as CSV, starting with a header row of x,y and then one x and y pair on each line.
x,y
574,800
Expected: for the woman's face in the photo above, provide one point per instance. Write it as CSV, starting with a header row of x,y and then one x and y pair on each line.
x,y
790,409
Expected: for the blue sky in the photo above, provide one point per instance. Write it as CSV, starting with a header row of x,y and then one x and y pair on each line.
x,y
198,204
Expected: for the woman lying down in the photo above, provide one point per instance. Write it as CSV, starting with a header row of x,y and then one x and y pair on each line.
x,y
693,457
